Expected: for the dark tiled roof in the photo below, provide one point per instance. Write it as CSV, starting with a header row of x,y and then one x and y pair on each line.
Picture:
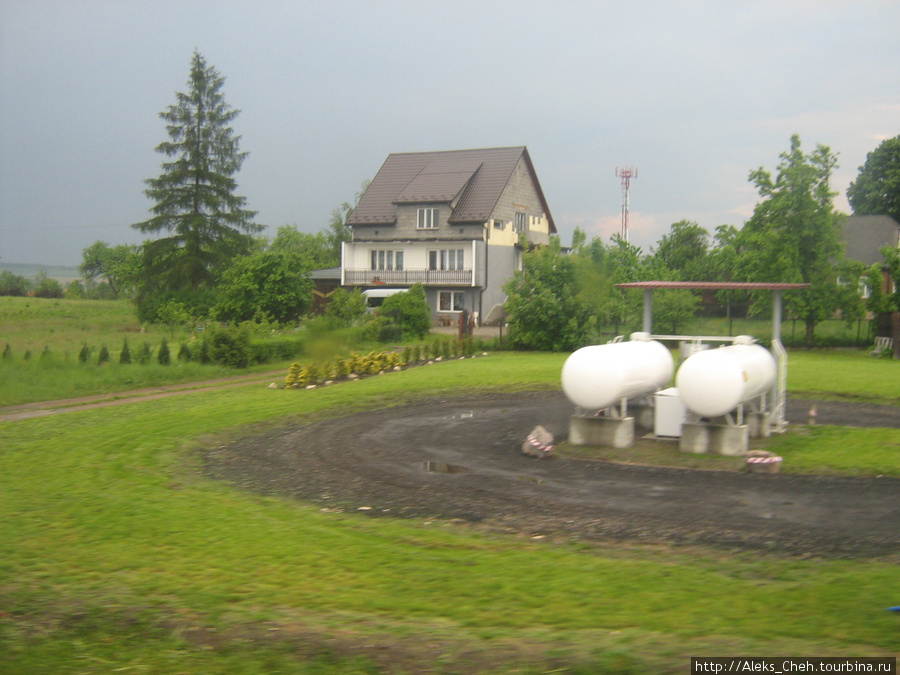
x,y
865,235
472,181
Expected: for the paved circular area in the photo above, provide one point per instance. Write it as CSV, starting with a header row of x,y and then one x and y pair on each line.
x,y
460,459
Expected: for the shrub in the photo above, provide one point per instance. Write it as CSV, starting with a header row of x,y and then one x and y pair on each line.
x,y
163,356
144,354
7,353
229,346
104,356
13,284
85,354
75,290
184,354
275,349
49,288
346,307
408,314
125,354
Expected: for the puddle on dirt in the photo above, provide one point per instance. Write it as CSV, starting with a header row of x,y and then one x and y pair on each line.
x,y
441,467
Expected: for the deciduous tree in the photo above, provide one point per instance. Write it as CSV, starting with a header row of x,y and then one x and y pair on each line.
x,y
876,191
542,302
794,234
270,285
118,265
684,251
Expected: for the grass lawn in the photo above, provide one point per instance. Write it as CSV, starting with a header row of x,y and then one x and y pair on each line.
x,y
843,374
120,556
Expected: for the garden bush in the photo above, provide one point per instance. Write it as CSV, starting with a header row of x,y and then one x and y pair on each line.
x,y
125,354
164,356
144,354
275,349
228,345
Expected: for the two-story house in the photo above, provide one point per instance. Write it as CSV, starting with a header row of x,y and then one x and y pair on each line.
x,y
453,221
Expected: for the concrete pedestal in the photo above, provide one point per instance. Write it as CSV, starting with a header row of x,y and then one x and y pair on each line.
x,y
716,439
605,431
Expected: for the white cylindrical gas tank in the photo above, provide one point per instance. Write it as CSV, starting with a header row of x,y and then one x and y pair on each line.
x,y
599,376
715,382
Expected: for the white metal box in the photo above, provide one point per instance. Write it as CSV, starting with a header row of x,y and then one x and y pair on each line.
x,y
670,414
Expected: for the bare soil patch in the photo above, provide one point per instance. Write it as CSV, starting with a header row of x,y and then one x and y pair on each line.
x,y
459,458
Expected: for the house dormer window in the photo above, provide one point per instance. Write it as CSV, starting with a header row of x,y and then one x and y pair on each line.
x,y
428,219
521,219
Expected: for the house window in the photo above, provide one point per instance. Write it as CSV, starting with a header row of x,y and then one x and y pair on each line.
x,y
428,219
451,301
521,219
499,225
387,260
447,259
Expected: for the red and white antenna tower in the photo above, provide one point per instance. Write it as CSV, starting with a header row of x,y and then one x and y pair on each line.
x,y
626,175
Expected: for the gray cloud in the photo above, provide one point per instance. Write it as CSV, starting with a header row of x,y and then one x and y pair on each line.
x,y
695,94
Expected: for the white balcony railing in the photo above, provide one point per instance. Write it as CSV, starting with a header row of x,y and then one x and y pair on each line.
x,y
357,277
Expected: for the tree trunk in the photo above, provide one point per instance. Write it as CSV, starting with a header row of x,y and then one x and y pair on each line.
x,y
810,332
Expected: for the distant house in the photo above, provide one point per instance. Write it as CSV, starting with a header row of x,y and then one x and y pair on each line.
x,y
326,282
864,237
454,221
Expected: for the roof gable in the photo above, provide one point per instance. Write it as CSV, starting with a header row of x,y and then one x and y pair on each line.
x,y
866,235
472,181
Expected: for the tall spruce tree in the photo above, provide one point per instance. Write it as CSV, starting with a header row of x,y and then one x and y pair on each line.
x,y
204,222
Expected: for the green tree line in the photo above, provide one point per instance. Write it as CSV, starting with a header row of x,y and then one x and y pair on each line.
x,y
564,299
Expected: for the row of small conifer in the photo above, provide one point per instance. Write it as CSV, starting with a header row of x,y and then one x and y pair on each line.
x,y
143,355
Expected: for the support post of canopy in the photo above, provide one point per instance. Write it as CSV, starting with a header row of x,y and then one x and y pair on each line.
x,y
648,311
776,315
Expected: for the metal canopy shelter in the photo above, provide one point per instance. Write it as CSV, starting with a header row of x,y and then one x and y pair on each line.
x,y
776,288
777,420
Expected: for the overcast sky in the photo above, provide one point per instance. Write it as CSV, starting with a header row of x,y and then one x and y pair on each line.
x,y
692,94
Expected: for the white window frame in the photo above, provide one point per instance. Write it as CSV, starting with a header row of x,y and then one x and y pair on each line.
x,y
521,222
427,218
447,259
454,300
386,259
499,225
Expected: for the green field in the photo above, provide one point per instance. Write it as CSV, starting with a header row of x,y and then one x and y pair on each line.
x,y
44,338
119,555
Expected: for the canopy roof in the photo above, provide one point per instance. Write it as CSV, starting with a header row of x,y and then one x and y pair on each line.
x,y
714,285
